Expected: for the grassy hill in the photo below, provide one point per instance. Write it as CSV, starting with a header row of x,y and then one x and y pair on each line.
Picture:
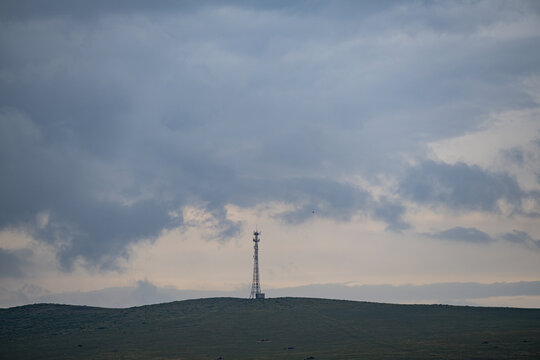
x,y
282,328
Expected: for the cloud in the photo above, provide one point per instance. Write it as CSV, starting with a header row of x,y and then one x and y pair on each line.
x,y
522,238
339,201
80,9
113,116
460,186
327,198
69,187
458,233
13,262
514,155
391,213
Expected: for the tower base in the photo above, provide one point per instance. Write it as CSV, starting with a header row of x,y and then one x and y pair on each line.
x,y
259,296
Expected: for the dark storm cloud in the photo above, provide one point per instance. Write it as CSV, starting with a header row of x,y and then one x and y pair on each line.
x,y
460,186
84,9
458,233
116,114
13,262
65,186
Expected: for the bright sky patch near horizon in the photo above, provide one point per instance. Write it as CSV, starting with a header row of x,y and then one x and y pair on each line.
x,y
371,142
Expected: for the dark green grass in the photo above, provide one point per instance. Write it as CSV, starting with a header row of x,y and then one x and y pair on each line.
x,y
295,328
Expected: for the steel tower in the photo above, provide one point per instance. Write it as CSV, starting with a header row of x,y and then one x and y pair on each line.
x,y
256,285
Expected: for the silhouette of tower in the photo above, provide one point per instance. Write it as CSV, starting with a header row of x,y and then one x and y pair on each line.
x,y
256,285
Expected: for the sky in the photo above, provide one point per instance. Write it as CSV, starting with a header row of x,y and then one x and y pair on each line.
x,y
388,151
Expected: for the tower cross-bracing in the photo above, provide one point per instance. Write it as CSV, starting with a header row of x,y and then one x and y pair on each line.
x,y
256,285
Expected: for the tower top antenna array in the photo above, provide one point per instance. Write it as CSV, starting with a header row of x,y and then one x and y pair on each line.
x,y
256,285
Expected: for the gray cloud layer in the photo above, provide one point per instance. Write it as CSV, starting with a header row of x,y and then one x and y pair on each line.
x,y
459,185
463,187
13,262
522,238
114,114
458,233
473,235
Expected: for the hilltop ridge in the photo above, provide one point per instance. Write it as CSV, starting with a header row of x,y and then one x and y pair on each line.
x,y
285,328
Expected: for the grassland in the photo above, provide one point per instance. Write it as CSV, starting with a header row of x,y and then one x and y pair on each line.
x,y
281,328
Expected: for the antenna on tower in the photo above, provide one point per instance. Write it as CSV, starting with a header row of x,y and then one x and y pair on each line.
x,y
255,285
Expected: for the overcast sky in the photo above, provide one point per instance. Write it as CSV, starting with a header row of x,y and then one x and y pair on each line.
x,y
371,142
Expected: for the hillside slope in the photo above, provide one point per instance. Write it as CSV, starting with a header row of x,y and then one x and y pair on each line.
x,y
281,328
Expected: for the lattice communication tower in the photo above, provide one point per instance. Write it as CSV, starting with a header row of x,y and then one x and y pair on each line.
x,y
256,285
